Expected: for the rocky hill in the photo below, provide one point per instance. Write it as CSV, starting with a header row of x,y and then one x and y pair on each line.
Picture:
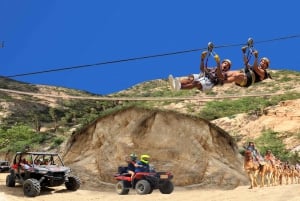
x,y
283,118
186,131
194,150
280,111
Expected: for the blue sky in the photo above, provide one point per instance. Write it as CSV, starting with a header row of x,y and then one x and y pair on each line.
x,y
45,35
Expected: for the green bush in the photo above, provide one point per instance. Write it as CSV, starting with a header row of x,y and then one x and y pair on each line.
x,y
18,137
271,140
57,141
218,109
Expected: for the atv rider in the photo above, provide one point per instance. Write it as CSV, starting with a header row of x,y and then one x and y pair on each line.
x,y
24,164
132,164
143,164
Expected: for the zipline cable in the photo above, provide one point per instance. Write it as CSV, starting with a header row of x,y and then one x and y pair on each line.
x,y
106,62
146,57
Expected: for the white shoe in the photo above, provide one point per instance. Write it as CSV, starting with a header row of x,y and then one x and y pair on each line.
x,y
172,82
177,84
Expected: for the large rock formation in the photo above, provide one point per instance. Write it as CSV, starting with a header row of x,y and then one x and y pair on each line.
x,y
194,150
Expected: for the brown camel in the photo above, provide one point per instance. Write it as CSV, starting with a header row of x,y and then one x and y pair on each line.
x,y
253,169
269,172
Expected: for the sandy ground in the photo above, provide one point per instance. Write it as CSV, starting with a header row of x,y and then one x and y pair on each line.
x,y
277,193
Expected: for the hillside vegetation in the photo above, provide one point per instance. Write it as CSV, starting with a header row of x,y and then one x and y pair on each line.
x,y
46,122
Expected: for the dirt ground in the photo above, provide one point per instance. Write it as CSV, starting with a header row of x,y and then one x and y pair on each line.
x,y
277,193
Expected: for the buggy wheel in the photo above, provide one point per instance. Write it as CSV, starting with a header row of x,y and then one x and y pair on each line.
x,y
10,180
151,190
120,188
143,187
31,187
166,188
73,183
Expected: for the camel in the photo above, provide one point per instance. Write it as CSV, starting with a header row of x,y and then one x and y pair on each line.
x,y
277,174
294,175
269,170
252,169
286,173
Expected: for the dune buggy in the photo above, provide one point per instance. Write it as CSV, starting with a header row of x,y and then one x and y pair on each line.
x,y
143,182
4,166
35,170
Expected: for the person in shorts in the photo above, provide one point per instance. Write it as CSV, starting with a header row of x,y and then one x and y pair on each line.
x,y
204,81
251,74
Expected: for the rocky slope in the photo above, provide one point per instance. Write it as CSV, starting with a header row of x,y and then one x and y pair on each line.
x,y
283,118
206,152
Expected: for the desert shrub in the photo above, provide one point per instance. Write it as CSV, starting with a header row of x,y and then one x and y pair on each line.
x,y
18,137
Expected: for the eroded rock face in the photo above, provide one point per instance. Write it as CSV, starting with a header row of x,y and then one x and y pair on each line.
x,y
194,150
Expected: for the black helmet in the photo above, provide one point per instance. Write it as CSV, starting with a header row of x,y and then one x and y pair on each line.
x,y
133,156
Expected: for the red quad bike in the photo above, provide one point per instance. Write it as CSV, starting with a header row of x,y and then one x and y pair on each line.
x,y
143,182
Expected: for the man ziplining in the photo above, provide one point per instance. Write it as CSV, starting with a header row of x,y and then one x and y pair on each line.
x,y
209,77
251,73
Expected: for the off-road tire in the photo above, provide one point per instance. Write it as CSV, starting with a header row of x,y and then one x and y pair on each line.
x,y
73,184
10,180
166,188
120,188
143,187
31,187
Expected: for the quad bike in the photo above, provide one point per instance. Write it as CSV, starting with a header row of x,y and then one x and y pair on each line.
x,y
143,182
